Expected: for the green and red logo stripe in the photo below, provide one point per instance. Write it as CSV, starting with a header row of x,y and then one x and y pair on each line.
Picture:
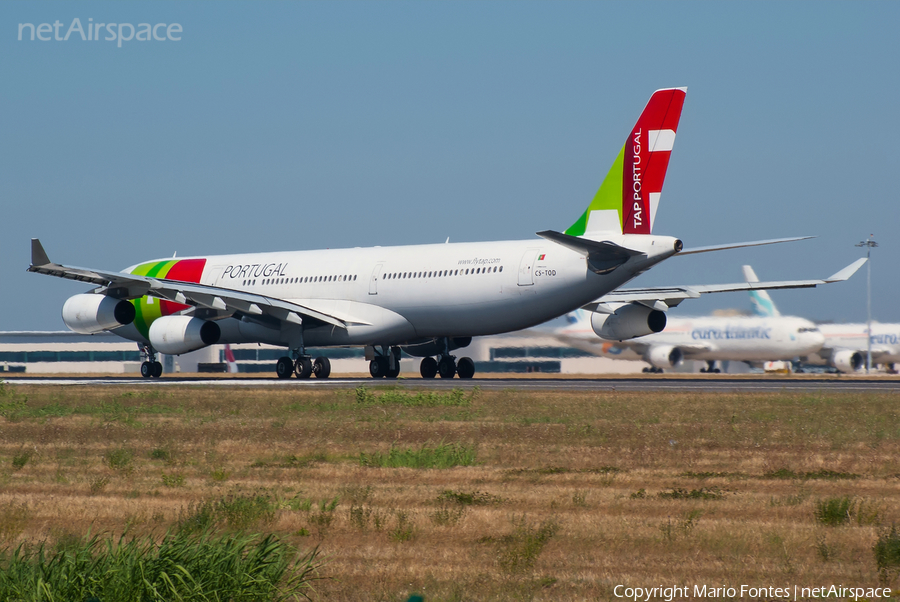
x,y
147,309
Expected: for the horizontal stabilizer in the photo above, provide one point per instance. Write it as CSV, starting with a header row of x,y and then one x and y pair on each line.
x,y
740,245
584,245
603,256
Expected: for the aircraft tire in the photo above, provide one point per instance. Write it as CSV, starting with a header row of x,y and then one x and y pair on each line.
x,y
284,368
378,367
428,368
465,367
322,367
447,368
395,372
303,368
147,370
157,369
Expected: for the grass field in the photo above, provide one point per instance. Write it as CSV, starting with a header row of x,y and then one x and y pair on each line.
x,y
501,495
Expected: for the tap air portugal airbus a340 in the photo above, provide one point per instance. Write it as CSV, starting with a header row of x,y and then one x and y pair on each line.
x,y
428,300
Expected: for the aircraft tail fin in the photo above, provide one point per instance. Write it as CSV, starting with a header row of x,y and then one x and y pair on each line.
x,y
229,360
760,301
629,196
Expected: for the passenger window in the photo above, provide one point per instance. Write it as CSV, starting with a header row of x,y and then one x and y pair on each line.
x,y
501,268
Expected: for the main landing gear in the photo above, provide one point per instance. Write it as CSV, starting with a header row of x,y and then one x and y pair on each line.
x,y
447,366
150,368
710,368
385,364
304,367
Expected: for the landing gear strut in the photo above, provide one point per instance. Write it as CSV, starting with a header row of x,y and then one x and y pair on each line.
x,y
710,368
150,368
385,364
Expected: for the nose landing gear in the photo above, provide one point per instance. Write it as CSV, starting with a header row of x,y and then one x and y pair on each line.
x,y
150,368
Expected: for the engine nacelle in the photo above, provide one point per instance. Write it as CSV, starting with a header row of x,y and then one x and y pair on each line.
x,y
664,356
175,335
88,313
628,322
848,360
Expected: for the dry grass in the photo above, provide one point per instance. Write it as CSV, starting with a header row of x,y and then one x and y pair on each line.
x,y
571,493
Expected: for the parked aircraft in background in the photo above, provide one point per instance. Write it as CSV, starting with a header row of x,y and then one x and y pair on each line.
x,y
845,344
711,339
428,300
754,340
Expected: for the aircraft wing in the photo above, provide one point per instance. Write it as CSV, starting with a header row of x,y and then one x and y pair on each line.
x,y
673,295
129,286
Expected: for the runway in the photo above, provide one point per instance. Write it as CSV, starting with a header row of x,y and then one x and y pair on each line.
x,y
682,384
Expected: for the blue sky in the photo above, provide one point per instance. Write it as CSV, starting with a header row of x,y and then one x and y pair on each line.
x,y
281,126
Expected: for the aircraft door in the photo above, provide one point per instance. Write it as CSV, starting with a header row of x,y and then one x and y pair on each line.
x,y
376,275
526,267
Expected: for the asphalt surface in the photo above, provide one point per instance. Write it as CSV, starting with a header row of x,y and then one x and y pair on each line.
x,y
707,383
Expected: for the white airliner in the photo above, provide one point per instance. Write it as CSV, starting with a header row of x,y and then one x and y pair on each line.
x,y
845,344
712,339
427,299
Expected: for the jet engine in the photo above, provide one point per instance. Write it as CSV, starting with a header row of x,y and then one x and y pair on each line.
x,y
89,313
175,335
628,322
664,356
848,360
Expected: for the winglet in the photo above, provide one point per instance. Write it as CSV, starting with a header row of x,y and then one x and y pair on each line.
x,y
38,255
847,271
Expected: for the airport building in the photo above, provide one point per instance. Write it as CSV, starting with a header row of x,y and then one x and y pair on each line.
x,y
65,352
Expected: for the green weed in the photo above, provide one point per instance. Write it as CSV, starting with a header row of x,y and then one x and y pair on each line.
x,y
20,459
834,511
235,512
405,528
443,455
160,453
519,550
429,399
119,459
173,480
887,554
219,475
182,566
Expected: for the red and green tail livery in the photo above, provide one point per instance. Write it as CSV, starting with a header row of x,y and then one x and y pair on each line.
x,y
629,196
147,309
